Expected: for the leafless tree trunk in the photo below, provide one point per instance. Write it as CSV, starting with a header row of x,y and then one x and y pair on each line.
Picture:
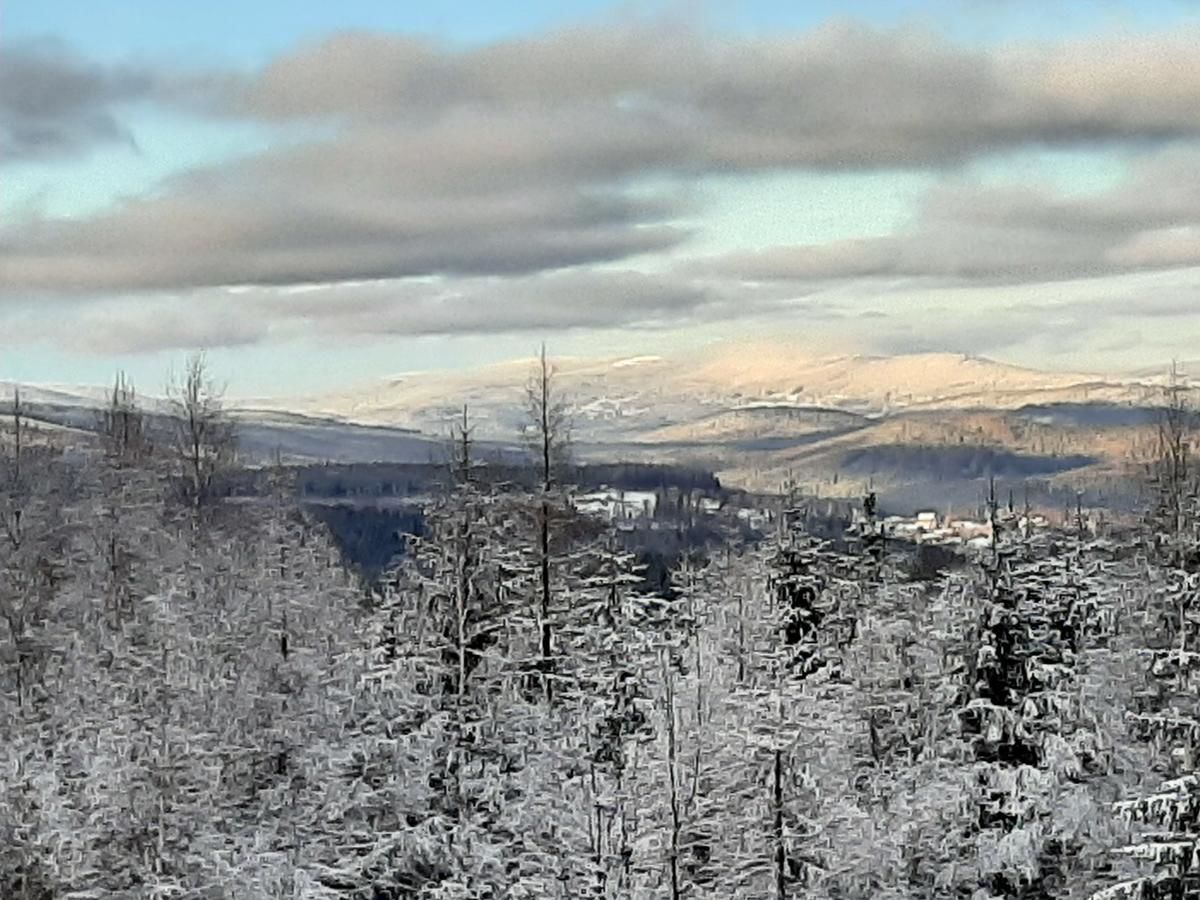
x,y
547,431
205,440
464,550
18,434
463,445
672,776
780,849
129,484
33,539
13,609
123,425
1172,473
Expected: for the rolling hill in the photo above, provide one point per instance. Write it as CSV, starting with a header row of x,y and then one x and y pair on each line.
x,y
759,415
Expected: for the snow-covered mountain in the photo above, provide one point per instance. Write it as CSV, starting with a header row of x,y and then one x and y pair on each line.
x,y
758,414
656,397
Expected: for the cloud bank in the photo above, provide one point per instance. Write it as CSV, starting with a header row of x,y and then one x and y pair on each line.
x,y
526,178
973,233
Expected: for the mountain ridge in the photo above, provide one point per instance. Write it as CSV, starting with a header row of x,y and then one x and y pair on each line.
x,y
653,392
757,414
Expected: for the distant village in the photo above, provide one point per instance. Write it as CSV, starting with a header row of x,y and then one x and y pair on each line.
x,y
628,508
926,527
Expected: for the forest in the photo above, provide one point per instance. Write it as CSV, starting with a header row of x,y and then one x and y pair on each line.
x,y
199,700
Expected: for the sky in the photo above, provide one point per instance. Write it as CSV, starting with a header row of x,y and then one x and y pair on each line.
x,y
322,194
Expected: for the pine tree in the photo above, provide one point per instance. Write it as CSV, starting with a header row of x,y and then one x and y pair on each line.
x,y
1166,715
1026,728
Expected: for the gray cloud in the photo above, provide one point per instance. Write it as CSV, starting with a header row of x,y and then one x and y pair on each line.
x,y
523,157
983,321
971,233
152,325
53,104
278,222
229,317
546,302
841,95
1091,324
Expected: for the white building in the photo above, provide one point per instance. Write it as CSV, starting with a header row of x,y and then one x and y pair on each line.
x,y
927,519
617,505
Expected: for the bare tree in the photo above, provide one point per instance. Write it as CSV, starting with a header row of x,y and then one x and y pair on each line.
x,y
463,462
672,774
128,499
18,423
33,537
1173,475
547,432
123,431
205,439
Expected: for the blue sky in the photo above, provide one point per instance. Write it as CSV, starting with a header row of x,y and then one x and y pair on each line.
x,y
457,182
250,33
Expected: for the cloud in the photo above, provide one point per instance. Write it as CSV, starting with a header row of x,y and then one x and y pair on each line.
x,y
268,230
533,155
969,233
546,302
1042,323
54,104
1089,324
994,334
244,315
140,325
843,94
373,203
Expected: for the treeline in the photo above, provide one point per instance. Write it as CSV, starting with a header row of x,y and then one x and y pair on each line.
x,y
955,462
198,701
369,481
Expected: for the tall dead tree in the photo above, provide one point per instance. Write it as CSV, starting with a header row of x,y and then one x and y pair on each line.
x,y
123,430
547,432
466,553
128,490
1174,478
205,439
13,600
18,426
33,539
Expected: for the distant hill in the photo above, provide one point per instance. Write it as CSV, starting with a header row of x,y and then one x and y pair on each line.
x,y
761,422
759,414
676,398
